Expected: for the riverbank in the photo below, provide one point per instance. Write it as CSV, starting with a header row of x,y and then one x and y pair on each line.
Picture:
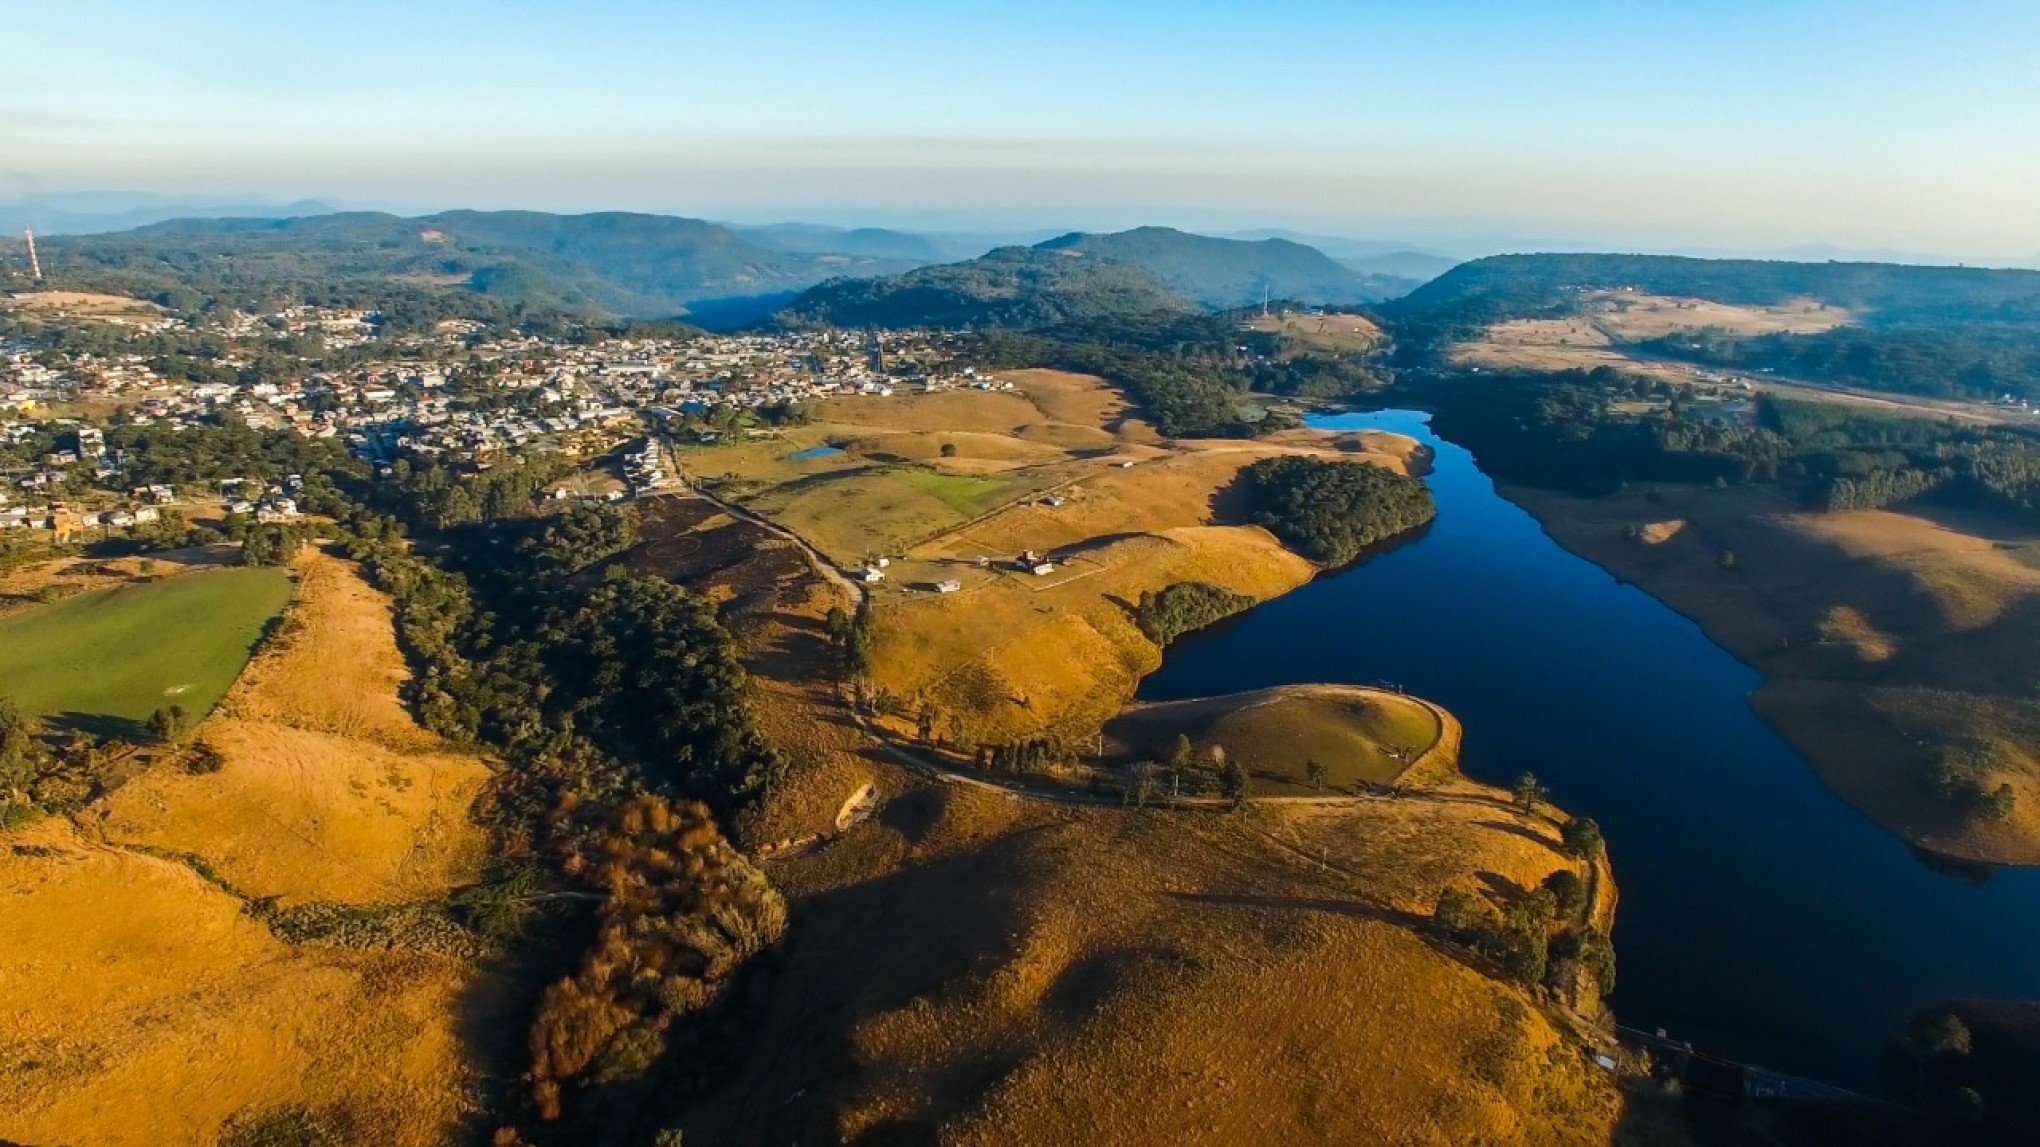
x,y
1897,649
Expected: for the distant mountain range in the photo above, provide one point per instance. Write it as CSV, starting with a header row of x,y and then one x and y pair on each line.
x,y
612,263
621,264
94,214
1079,276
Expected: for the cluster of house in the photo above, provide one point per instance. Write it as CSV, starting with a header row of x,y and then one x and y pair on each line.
x,y
264,501
447,393
645,467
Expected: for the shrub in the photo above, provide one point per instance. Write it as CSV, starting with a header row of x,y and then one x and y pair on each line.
x,y
1185,607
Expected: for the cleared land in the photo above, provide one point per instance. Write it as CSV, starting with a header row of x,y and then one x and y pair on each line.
x,y
105,659
329,789
1057,465
141,1003
1613,321
1339,334
970,966
81,304
1360,736
1890,642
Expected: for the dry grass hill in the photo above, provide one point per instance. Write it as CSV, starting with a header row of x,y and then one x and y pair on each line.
x,y
1890,642
141,1003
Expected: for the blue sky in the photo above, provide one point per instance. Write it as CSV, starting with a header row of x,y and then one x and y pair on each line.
x,y
1648,125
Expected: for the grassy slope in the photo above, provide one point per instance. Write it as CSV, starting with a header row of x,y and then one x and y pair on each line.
x,y
1885,638
1359,735
329,789
112,657
968,968
141,1004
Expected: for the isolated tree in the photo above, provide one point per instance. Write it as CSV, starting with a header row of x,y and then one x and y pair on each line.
x,y
949,449
1233,782
1466,916
1582,837
1316,772
925,723
1530,793
166,725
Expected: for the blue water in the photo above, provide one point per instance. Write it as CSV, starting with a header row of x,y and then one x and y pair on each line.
x,y
1761,917
814,452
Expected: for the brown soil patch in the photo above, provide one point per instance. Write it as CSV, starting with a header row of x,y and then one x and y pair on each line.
x,y
329,790
81,303
20,588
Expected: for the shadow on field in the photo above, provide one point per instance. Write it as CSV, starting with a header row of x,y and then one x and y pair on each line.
x,y
99,726
1514,829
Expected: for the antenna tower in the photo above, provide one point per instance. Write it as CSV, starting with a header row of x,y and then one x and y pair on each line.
x,y
34,264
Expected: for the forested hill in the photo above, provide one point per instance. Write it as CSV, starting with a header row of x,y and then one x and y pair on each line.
x,y
1222,273
611,263
1504,286
1016,288
1081,277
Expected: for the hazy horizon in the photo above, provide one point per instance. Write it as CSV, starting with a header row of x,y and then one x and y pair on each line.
x,y
1741,128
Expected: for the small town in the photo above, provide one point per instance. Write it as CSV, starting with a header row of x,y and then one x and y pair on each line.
x,y
456,395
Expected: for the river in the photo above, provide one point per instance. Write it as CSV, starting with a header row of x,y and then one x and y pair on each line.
x,y
1761,917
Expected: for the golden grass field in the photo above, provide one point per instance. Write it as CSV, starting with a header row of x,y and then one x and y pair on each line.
x,y
1360,736
1885,638
1339,334
139,1002
970,968
140,1005
330,790
1012,655
1633,317
1605,334
82,304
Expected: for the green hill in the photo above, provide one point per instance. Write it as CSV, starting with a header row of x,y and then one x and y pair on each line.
x,y
1511,285
1941,331
1012,287
1223,273
1078,277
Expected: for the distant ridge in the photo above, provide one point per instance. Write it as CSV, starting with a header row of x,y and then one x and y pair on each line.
x,y
1082,276
607,263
